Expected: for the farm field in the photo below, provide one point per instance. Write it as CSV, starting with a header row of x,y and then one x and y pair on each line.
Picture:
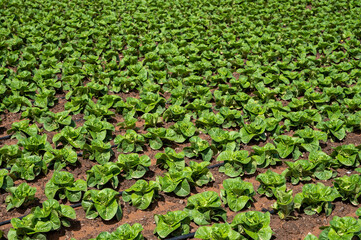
x,y
180,119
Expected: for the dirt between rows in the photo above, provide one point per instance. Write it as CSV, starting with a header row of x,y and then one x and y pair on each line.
x,y
83,228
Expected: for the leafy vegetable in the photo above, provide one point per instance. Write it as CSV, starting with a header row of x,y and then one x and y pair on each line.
x,y
253,225
133,165
205,207
63,184
123,232
270,181
141,194
100,175
217,231
104,203
174,223
19,195
237,194
236,163
316,197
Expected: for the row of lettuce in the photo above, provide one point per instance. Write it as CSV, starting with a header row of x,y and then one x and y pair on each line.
x,y
202,208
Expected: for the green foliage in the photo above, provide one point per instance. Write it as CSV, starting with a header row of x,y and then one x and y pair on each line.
x,y
287,145
253,225
100,175
178,182
50,217
104,203
170,159
349,187
62,184
347,155
133,165
130,141
71,136
174,223
284,204
199,148
236,163
266,155
342,228
316,197
270,181
205,207
5,180
237,194
217,231
19,195
60,158
28,167
123,232
141,194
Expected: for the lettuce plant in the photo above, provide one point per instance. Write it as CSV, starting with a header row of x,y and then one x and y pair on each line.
x,y
266,155
217,231
208,119
316,197
200,173
270,181
174,113
141,194
123,232
301,170
284,204
184,128
232,117
254,130
9,154
176,181
71,136
199,148
5,180
307,117
130,141
349,187
237,194
342,228
28,167
50,217
98,150
205,207
36,144
62,184
334,128
236,163
133,165
170,159
157,136
151,119
23,129
98,110
53,121
253,225
104,203
323,164
19,195
311,138
98,128
175,223
287,145
99,175
60,158
225,140
347,155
